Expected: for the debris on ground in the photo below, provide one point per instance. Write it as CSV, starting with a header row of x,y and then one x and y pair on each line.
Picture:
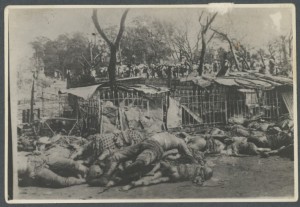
x,y
241,137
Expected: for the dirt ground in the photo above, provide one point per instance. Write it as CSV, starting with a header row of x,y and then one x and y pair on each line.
x,y
245,177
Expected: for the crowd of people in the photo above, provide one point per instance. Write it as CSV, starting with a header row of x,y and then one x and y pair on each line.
x,y
182,69
159,70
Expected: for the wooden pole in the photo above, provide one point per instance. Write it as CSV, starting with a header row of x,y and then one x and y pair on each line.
x,y
28,116
24,116
31,103
99,113
226,108
277,105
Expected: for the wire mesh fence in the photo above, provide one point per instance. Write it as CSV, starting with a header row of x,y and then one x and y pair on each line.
x,y
202,106
213,105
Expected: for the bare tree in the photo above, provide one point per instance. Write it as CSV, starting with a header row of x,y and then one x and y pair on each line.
x,y
226,38
112,45
204,41
180,41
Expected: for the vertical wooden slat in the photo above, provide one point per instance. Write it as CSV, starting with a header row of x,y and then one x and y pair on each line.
x,y
213,106
277,105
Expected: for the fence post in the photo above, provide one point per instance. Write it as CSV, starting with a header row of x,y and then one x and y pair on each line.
x,y
24,116
28,116
32,103
277,105
148,109
100,113
39,113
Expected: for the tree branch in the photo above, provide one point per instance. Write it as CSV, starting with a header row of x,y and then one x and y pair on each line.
x,y
97,56
122,27
212,36
99,29
200,17
85,60
209,21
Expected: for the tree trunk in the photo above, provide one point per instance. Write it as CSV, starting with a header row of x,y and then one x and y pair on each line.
x,y
290,47
223,69
112,65
246,63
113,46
202,54
31,103
233,54
285,55
120,55
262,60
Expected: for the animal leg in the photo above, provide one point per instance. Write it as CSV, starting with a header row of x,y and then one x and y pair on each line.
x,y
154,170
159,180
150,182
263,149
173,157
198,180
170,152
144,181
104,155
275,152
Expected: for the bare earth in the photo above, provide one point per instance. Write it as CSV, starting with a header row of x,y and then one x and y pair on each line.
x,y
245,177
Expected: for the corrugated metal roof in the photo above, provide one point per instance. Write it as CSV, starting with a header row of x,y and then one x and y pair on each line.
x,y
83,92
198,80
278,79
149,89
251,83
243,80
226,81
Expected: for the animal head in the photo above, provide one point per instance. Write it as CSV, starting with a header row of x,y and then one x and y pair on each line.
x,y
208,172
119,141
183,135
188,139
94,171
216,131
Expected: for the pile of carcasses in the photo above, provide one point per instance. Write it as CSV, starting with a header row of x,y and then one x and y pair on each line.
x,y
81,155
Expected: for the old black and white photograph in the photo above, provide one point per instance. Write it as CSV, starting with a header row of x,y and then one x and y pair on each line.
x,y
151,103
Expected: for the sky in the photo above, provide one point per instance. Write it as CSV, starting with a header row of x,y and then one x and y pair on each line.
x,y
253,26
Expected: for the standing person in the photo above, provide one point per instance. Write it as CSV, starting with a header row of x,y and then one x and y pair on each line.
x,y
225,69
215,67
136,71
145,71
169,75
182,70
272,70
174,71
159,71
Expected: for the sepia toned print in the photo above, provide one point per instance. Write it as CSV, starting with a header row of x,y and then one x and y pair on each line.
x,y
152,103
